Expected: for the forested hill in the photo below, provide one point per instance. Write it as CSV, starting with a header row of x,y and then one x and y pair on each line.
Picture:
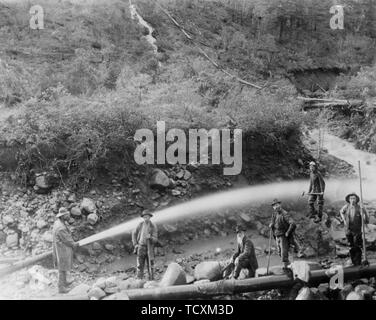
x,y
89,79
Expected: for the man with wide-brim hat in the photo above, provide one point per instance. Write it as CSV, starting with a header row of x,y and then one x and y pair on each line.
x,y
283,227
351,214
63,246
144,239
245,256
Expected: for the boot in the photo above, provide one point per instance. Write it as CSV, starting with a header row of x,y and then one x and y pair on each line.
x,y
63,290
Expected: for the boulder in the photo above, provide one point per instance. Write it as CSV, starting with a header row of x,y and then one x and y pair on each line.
x,y
111,290
12,240
47,237
305,294
187,175
109,247
276,270
309,252
88,206
7,220
100,283
92,218
117,296
159,180
245,217
190,279
80,290
96,246
41,224
42,185
342,252
76,212
151,284
72,198
131,283
210,270
302,269
174,276
96,293
261,272
111,282
354,296
365,291
345,291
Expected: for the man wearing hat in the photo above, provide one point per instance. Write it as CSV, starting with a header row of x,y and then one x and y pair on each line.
x,y
351,216
63,246
315,192
144,238
283,227
245,256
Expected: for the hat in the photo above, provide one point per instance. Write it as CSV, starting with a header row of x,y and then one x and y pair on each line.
x,y
240,228
312,163
62,212
275,201
352,194
146,213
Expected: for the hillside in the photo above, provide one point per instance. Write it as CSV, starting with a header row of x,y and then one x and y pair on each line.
x,y
73,94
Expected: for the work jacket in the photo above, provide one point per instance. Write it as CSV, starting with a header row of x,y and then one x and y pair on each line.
x,y
282,223
353,223
246,252
316,183
62,245
153,232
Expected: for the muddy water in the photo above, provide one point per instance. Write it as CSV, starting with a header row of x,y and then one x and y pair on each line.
x,y
149,38
346,151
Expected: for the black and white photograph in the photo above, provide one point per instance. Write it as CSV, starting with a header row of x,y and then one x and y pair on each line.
x,y
208,152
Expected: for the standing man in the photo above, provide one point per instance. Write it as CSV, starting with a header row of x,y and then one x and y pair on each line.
x,y
245,256
144,237
283,227
351,216
316,192
63,246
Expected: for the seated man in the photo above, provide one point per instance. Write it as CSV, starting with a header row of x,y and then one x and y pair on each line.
x,y
245,257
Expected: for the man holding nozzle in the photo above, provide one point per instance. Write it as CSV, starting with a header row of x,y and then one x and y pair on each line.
x,y
63,246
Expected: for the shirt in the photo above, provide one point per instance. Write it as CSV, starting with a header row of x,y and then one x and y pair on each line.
x,y
145,232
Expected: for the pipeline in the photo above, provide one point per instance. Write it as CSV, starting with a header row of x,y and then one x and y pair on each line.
x,y
24,264
231,287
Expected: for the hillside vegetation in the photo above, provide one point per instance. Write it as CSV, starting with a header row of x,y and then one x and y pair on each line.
x,y
83,85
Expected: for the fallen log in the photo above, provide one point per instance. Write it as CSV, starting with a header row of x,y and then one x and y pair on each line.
x,y
231,287
23,264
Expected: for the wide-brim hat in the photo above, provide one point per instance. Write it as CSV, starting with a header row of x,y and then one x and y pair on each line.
x,y
352,194
313,163
146,213
275,201
62,212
